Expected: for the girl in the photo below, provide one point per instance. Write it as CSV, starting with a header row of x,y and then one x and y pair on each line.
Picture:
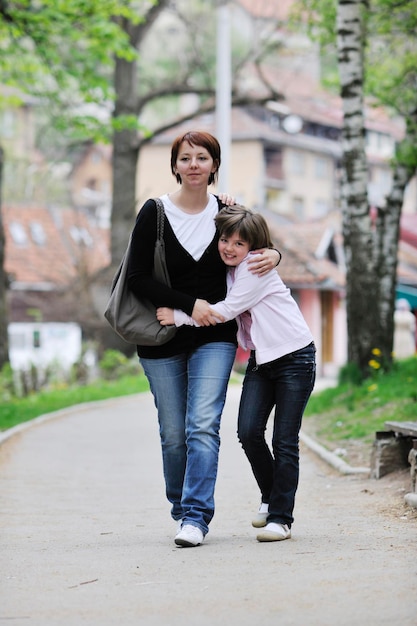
x,y
280,372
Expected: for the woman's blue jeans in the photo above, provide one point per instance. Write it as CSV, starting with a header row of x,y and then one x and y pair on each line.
x,y
285,383
189,392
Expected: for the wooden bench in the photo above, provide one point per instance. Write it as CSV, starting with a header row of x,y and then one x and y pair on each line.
x,y
407,429
395,448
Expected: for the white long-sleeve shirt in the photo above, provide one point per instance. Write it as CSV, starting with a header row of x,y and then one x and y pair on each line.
x,y
268,317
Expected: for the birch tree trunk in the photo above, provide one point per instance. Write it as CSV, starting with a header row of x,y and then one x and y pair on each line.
x,y
370,236
361,287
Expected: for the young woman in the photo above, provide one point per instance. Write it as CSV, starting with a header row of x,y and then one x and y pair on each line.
x,y
188,376
280,372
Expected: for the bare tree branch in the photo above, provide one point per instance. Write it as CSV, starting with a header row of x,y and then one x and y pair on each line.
x,y
139,31
207,107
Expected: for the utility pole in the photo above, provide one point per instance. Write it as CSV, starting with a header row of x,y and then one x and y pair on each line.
x,y
4,320
223,92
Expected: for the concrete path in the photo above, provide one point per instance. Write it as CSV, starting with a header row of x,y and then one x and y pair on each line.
x,y
86,536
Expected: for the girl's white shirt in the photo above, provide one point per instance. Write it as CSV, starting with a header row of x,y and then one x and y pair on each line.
x,y
194,231
276,326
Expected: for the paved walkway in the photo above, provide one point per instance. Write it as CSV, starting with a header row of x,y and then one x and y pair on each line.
x,y
86,537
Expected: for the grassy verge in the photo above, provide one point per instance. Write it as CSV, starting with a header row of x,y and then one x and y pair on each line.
x,y
354,413
16,411
335,416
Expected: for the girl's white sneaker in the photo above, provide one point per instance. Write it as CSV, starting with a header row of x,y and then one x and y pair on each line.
x,y
260,520
274,532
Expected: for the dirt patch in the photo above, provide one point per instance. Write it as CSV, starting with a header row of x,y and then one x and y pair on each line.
x,y
356,453
387,492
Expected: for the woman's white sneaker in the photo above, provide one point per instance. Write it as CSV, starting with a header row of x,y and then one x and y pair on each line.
x,y
274,532
260,520
189,536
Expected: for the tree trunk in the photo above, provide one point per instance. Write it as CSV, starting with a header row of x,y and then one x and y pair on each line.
x,y
4,343
361,286
388,232
125,157
388,229
126,142
370,236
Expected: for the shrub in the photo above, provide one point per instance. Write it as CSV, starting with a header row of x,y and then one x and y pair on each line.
x,y
7,383
114,364
351,374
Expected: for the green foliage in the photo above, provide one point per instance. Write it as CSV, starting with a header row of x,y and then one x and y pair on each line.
x,y
391,53
320,18
7,385
114,364
62,51
350,374
356,411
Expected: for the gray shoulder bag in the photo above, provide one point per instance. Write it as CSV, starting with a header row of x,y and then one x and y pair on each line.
x,y
133,319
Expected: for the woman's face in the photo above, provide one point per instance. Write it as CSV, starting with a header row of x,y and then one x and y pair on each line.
x,y
194,165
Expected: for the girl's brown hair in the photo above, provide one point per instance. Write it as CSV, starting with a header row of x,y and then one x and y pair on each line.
x,y
197,138
252,227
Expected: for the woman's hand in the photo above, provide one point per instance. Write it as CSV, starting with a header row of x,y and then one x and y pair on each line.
x,y
263,260
165,316
226,199
204,315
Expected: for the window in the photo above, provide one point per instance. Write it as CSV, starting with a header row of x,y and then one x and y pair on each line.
x,y
91,184
17,340
273,161
298,206
36,338
320,207
18,233
274,201
81,236
320,167
297,163
7,124
38,234
380,143
96,157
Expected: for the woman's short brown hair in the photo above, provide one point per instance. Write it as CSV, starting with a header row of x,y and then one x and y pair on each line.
x,y
197,138
251,226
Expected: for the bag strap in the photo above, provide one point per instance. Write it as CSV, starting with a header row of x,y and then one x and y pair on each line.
x,y
220,203
160,219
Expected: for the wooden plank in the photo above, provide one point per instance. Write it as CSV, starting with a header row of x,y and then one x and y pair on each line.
x,y
409,429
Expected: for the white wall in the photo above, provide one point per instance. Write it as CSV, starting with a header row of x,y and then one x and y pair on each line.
x,y
58,343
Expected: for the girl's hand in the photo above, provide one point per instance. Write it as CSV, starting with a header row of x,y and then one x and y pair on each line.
x,y
165,316
265,261
204,315
226,199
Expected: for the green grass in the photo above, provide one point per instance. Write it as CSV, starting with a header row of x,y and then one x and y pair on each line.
x,y
16,411
345,412
350,412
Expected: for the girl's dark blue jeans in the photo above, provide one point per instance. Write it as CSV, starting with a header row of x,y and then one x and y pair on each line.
x,y
285,384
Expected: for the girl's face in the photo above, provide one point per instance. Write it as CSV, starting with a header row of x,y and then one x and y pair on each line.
x,y
232,249
194,164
